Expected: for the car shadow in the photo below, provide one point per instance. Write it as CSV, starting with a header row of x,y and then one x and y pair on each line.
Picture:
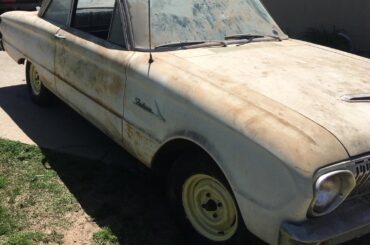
x,y
110,185
129,202
58,127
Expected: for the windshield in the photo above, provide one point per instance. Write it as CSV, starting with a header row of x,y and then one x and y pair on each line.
x,y
199,20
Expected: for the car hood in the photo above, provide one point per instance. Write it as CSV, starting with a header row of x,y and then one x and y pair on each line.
x,y
306,78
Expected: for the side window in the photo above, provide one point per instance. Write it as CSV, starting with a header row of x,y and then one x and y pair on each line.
x,y
59,11
116,35
94,17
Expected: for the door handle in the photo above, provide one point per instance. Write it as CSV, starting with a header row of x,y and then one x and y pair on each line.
x,y
59,36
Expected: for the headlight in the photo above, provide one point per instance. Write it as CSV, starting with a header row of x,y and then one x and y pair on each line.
x,y
331,190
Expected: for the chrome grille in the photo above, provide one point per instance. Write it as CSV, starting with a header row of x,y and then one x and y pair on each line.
x,y
361,170
360,167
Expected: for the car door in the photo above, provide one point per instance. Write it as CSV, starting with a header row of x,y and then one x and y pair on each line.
x,y
91,62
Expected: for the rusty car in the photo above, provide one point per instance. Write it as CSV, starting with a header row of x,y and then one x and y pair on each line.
x,y
255,133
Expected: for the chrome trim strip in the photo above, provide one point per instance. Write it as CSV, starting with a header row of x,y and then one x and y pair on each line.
x,y
352,98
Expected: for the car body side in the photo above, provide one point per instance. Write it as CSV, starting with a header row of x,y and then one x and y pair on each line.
x,y
256,142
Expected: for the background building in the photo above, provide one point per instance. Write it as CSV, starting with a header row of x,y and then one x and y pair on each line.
x,y
300,18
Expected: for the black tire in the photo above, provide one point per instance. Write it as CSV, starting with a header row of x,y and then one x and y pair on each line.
x,y
191,165
43,97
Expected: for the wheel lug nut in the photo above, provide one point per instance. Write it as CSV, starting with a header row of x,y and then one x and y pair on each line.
x,y
208,195
215,215
219,205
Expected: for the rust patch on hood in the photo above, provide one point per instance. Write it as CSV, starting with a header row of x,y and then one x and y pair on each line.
x,y
306,78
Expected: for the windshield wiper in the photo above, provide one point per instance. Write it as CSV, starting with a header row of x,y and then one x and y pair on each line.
x,y
238,38
250,37
179,44
191,44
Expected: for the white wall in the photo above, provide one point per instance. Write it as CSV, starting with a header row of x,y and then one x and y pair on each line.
x,y
296,16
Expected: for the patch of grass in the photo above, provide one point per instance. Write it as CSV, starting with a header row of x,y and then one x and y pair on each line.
x,y
33,199
2,182
13,193
11,151
6,222
31,238
28,238
54,237
105,237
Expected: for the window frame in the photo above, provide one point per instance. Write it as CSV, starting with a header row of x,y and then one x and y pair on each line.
x,y
44,8
118,5
125,14
130,31
122,8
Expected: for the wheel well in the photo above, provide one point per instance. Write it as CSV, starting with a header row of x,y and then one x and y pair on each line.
x,y
170,151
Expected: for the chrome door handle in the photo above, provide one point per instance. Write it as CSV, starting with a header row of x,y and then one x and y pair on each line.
x,y
59,36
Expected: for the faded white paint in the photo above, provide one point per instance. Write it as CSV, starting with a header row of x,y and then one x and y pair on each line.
x,y
268,113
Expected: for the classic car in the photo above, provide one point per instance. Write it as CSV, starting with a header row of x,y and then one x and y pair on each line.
x,y
19,4
255,133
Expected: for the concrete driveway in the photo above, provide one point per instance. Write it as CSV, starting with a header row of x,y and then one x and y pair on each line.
x,y
57,127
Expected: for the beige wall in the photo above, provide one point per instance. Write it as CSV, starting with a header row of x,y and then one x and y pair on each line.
x,y
296,16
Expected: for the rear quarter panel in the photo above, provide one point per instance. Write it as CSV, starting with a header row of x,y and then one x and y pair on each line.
x,y
27,36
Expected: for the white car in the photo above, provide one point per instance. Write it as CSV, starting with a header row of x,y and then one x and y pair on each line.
x,y
255,132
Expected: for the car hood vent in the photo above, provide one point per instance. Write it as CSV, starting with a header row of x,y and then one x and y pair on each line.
x,y
356,98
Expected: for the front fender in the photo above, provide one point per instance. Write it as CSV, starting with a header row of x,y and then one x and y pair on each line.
x,y
257,143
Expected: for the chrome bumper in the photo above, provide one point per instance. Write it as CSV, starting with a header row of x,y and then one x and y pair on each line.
x,y
351,220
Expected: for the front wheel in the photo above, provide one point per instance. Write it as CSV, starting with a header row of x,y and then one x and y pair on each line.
x,y
203,203
40,95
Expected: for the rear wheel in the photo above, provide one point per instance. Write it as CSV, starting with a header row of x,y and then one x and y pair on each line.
x,y
203,202
40,95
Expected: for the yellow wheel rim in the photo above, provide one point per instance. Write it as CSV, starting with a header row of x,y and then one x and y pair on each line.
x,y
35,80
210,207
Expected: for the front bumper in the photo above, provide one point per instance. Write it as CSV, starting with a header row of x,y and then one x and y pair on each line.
x,y
351,220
